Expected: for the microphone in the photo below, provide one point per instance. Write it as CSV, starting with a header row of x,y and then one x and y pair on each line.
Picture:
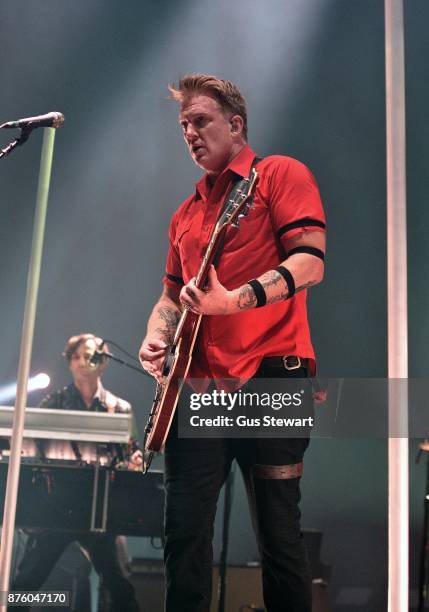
x,y
96,358
54,120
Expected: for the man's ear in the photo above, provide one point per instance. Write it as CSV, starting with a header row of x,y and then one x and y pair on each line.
x,y
237,124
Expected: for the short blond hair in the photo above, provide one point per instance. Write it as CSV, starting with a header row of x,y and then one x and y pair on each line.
x,y
225,92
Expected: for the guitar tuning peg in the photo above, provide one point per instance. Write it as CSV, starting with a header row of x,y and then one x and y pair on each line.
x,y
245,211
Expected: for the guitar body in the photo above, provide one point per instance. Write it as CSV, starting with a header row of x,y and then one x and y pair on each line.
x,y
179,357
167,393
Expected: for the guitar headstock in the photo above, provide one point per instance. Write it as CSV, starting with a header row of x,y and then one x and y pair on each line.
x,y
238,206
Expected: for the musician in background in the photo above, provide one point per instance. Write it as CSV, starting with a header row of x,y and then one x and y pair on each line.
x,y
254,325
105,551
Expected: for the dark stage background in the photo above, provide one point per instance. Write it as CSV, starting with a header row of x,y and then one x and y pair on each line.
x,y
313,75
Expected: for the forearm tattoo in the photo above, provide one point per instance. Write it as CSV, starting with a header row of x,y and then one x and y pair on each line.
x,y
246,298
305,286
170,317
270,278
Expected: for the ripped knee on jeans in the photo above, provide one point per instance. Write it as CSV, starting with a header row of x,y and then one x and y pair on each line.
x,y
278,472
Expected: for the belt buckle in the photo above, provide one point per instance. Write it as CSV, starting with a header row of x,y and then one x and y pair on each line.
x,y
291,367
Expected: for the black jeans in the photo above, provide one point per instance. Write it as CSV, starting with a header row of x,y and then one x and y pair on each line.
x,y
43,551
195,470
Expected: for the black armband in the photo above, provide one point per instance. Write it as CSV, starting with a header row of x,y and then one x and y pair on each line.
x,y
175,279
261,296
306,222
289,280
308,249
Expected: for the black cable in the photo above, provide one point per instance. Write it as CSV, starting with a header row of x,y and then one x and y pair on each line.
x,y
23,137
140,370
100,353
121,349
147,455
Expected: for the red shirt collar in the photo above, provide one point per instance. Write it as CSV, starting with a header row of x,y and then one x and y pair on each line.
x,y
240,165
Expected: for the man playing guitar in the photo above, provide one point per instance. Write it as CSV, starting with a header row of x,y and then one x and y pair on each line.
x,y
254,324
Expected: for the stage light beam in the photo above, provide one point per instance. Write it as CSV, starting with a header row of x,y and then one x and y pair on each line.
x,y
39,381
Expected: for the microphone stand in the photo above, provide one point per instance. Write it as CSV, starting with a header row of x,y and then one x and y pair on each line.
x,y
424,554
223,561
33,279
23,137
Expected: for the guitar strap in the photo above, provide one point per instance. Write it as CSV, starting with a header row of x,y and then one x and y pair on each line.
x,y
231,195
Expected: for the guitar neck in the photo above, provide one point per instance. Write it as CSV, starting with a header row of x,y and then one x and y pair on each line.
x,y
235,205
209,256
201,277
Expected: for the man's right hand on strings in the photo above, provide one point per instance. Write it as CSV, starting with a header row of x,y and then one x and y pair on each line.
x,y
152,356
160,331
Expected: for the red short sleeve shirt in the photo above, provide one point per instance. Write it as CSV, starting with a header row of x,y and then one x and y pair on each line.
x,y
286,201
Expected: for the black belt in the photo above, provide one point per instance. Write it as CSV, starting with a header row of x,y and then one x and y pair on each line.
x,y
289,362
